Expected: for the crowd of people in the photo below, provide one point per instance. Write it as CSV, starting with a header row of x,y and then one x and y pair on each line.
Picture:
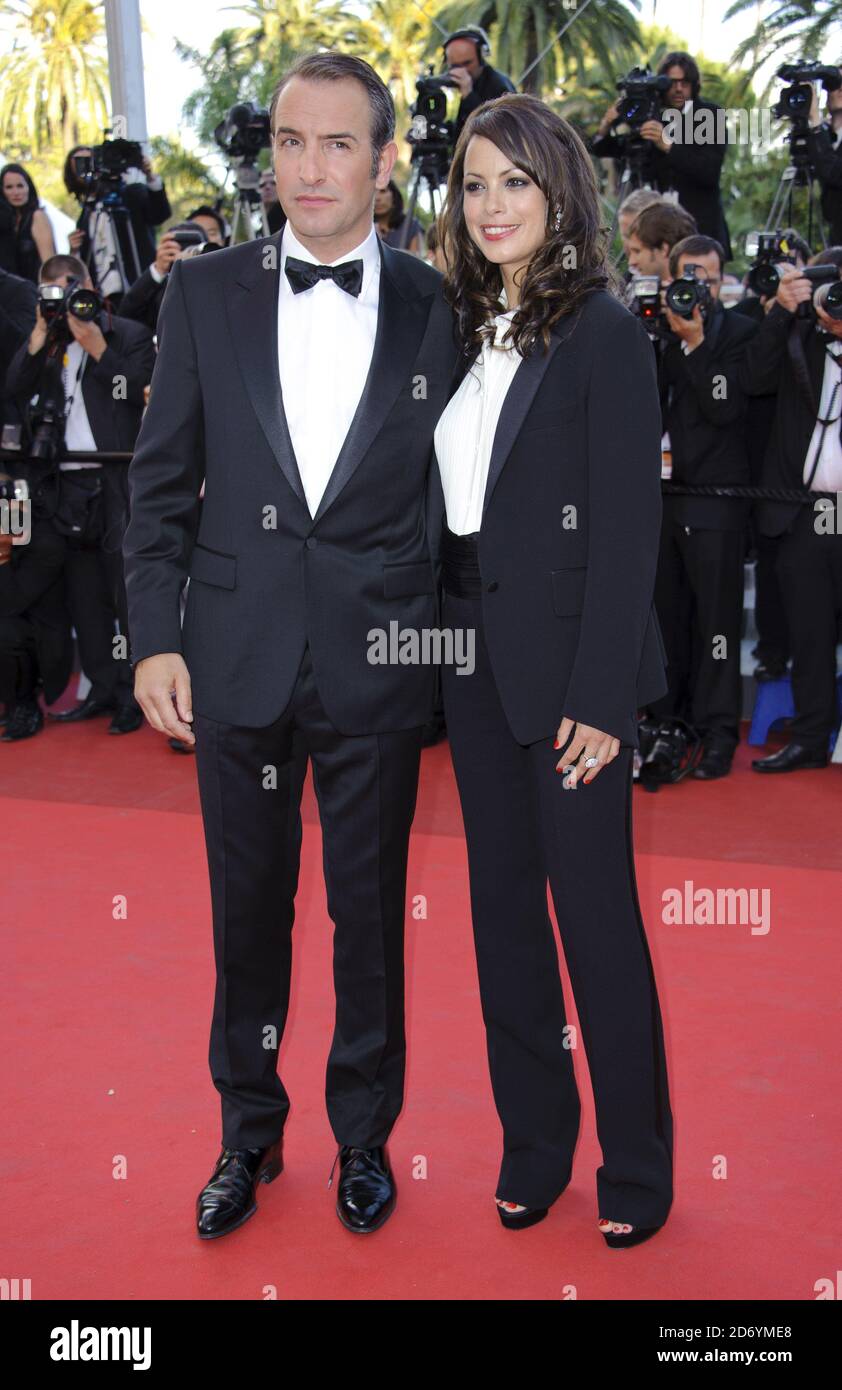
x,y
751,393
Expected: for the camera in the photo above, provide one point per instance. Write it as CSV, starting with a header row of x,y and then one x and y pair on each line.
x,y
243,132
647,304
771,253
431,132
56,302
795,101
686,292
642,98
107,162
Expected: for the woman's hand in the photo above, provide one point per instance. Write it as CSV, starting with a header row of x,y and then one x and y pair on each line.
x,y
587,742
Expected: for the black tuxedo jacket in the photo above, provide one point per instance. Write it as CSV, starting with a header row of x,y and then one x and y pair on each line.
x,y
704,410
265,576
567,594
767,368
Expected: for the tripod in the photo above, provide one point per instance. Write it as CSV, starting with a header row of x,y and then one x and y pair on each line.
x,y
430,162
633,175
246,200
110,205
799,173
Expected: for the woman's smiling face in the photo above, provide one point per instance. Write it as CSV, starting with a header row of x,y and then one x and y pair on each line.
x,y
505,211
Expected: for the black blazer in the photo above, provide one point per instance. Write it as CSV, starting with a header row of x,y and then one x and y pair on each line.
x,y
768,368
567,609
265,577
704,410
114,420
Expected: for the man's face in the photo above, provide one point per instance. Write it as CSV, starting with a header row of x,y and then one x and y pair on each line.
x,y
834,105
462,53
322,160
67,278
210,227
708,269
679,89
266,185
647,260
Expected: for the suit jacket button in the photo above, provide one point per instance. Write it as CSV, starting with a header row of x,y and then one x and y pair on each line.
x,y
490,588
311,542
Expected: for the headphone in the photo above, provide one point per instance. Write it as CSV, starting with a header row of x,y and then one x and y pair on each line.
x,y
477,36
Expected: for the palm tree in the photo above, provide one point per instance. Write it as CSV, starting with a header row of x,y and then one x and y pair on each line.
x,y
521,30
54,76
799,28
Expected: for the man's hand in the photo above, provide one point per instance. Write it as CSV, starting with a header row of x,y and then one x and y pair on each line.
x,y
793,289
587,742
75,239
691,330
608,119
654,131
88,335
156,679
38,336
463,78
167,252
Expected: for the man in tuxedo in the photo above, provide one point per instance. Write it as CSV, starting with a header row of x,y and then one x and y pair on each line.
x,y
300,376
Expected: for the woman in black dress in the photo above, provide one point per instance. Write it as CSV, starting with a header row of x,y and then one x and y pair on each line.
x,y
28,234
549,460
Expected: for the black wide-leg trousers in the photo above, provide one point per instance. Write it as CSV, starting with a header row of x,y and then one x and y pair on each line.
x,y
523,827
250,784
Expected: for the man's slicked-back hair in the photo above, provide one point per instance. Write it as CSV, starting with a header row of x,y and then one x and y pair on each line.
x,y
335,67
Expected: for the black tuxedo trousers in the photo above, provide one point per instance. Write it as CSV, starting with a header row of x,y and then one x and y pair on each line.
x,y
250,783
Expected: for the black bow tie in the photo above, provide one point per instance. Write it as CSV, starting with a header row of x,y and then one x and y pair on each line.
x,y
303,275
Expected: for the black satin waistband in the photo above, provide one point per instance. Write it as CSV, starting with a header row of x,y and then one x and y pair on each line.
x,y
460,573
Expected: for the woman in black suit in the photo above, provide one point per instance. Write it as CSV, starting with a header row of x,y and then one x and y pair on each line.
x,y
549,461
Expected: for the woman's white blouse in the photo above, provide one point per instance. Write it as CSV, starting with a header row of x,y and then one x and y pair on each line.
x,y
465,432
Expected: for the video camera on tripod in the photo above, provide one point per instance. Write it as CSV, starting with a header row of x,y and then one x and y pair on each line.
x,y
794,106
241,134
642,98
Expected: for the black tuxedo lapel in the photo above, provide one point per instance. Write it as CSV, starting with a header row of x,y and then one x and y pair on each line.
x,y
401,321
518,399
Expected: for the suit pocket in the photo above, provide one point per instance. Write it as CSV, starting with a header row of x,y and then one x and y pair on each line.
x,y
213,567
400,581
569,590
560,415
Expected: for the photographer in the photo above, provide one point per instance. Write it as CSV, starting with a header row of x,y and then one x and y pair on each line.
x,y
36,643
652,236
699,585
824,147
797,356
689,168
105,368
143,301
465,53
116,247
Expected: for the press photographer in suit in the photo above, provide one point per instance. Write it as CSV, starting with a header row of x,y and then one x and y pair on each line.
x,y
799,357
300,377
103,369
699,586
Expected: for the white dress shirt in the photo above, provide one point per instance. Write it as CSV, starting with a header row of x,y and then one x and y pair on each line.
x,y
325,344
828,475
465,432
77,429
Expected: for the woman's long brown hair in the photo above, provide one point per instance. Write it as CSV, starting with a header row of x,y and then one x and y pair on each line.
x,y
547,148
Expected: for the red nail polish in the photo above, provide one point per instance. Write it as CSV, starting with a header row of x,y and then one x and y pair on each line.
x,y
556,744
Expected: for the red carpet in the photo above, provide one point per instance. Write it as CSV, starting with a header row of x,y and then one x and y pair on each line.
x,y
106,1014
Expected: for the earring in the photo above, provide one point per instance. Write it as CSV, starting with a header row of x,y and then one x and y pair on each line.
x,y
558,219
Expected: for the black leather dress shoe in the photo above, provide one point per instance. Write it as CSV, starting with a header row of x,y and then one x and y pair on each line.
x,y
128,718
227,1199
25,720
367,1191
89,709
715,762
790,758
